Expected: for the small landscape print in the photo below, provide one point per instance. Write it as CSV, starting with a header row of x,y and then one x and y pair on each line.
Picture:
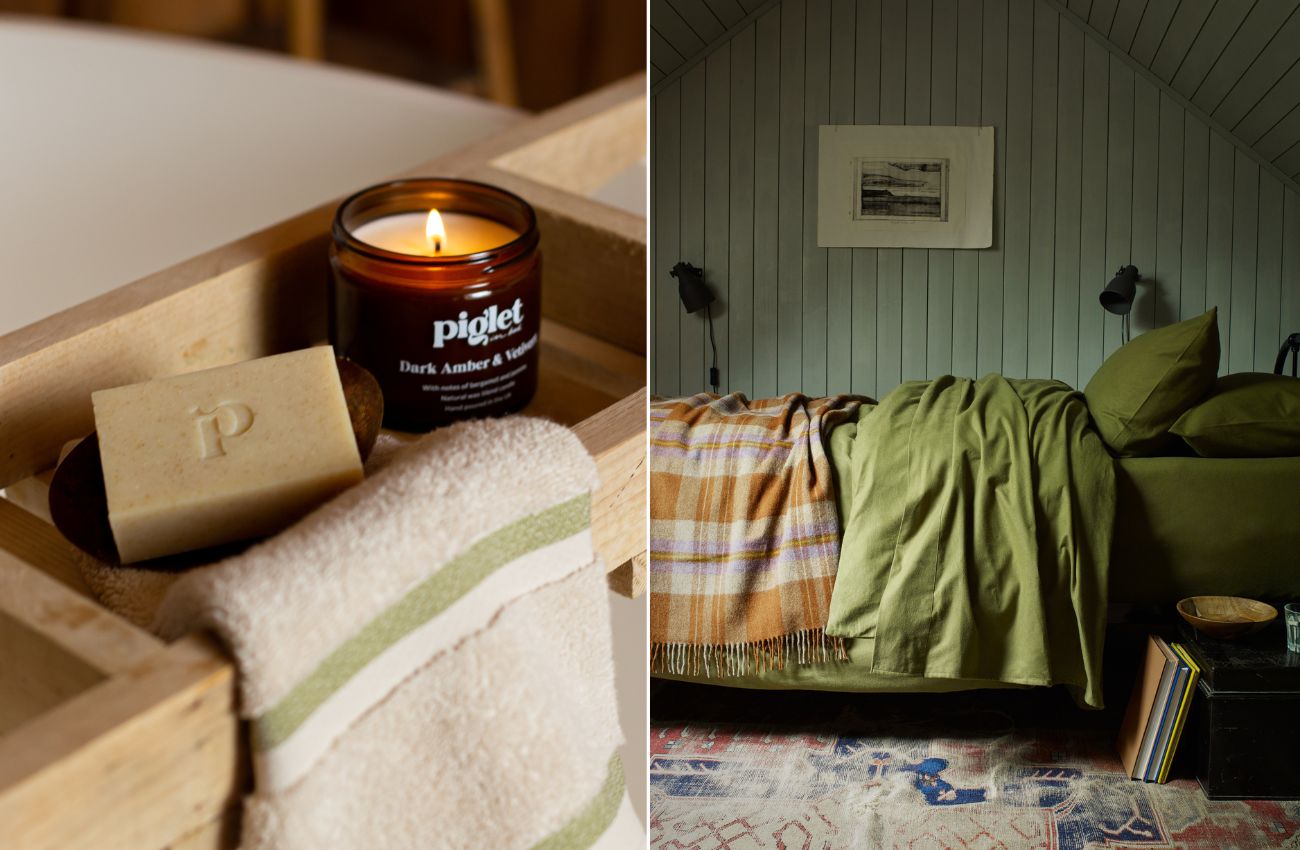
x,y
902,189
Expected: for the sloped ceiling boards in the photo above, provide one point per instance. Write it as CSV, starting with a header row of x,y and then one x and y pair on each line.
x,y
1237,61
682,30
1121,130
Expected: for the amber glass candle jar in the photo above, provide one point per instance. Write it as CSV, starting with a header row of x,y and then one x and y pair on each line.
x,y
446,320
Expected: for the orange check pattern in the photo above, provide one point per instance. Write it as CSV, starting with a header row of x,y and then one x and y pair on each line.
x,y
744,532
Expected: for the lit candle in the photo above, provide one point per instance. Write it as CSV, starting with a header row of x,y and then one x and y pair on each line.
x,y
437,292
435,234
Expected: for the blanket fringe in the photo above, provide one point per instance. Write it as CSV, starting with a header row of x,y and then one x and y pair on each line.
x,y
810,646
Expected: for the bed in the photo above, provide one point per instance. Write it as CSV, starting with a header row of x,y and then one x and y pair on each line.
x,y
983,525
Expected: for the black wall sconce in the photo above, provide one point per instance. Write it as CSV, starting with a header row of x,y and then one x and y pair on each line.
x,y
1118,295
696,296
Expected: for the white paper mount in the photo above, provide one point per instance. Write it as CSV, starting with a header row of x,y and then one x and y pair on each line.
x,y
883,186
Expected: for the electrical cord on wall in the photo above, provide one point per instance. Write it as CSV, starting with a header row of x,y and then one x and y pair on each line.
x,y
714,377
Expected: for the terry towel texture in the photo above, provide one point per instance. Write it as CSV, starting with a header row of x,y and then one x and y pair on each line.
x,y
744,532
426,660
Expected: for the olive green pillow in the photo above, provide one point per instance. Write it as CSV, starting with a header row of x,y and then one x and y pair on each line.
x,y
1248,415
1142,388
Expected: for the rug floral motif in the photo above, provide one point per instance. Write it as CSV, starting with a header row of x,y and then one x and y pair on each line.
x,y
719,787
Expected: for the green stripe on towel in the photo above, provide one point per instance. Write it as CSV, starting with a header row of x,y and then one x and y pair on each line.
x,y
428,599
590,824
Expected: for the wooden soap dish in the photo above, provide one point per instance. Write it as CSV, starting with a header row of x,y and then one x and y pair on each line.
x,y
79,505
1226,617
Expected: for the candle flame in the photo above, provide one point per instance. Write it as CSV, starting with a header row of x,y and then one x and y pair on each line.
x,y
434,232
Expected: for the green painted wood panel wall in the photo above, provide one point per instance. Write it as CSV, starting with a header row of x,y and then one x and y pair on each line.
x,y
1095,167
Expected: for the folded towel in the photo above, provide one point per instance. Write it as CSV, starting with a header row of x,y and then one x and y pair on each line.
x,y
426,660
744,532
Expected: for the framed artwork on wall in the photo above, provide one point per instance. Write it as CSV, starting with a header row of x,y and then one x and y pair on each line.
x,y
904,187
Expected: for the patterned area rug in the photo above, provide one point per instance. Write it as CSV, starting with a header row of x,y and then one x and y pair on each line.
x,y
960,771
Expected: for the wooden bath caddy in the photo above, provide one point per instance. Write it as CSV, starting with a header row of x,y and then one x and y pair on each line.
x,y
111,739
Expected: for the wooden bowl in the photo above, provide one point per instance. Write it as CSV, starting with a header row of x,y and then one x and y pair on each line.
x,y
1226,617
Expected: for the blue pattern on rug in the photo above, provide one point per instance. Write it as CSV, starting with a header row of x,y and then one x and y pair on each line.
x,y
936,791
1006,789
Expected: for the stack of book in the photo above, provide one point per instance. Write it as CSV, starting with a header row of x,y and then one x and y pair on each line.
x,y
1157,710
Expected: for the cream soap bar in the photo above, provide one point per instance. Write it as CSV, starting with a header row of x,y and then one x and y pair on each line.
x,y
225,454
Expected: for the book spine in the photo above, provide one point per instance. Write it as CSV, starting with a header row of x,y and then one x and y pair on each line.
x,y
1194,675
1166,730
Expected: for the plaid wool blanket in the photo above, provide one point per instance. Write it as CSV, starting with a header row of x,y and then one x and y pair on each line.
x,y
744,532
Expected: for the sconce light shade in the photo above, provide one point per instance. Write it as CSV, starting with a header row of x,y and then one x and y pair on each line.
x,y
694,293
1117,297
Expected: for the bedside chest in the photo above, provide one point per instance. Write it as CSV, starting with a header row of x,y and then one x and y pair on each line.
x,y
1245,721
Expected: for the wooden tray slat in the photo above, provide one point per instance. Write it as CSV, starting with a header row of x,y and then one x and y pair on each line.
x,y
134,762
36,541
69,620
618,508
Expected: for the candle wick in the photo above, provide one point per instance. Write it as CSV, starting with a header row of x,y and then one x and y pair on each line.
x,y
437,244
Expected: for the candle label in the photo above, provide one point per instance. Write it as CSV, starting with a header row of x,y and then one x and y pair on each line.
x,y
475,360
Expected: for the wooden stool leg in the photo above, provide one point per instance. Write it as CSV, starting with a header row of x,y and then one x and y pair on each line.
x,y
306,29
496,50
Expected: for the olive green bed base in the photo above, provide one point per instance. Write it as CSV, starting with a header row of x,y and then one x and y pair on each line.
x,y
1193,526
